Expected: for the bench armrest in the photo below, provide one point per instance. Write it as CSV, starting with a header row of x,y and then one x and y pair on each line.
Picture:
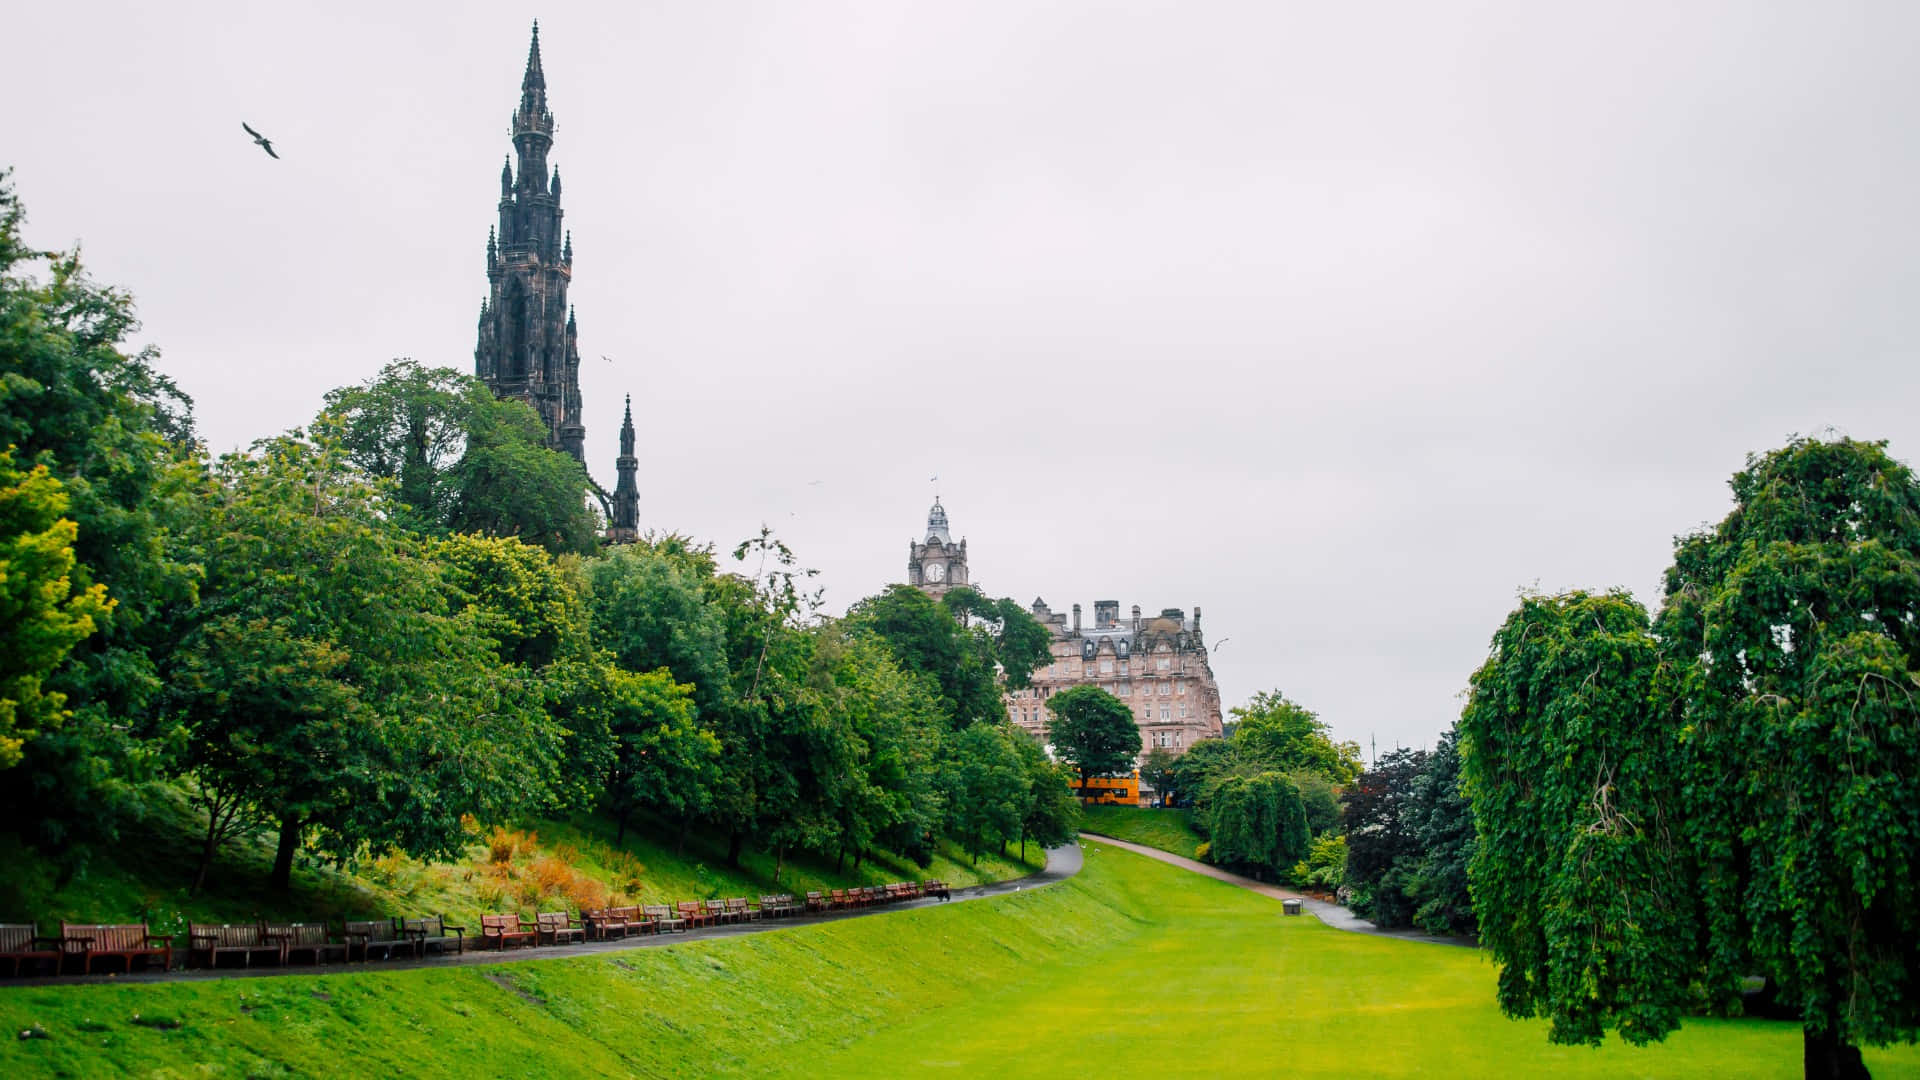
x,y
53,941
164,939
455,929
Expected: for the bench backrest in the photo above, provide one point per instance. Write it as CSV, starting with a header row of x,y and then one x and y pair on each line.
x,y
629,914
689,907
431,925
18,937
301,933
554,920
658,911
508,923
108,937
814,894
373,929
223,936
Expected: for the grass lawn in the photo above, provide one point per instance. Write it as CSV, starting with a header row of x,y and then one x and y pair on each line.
x,y
1133,968
1168,830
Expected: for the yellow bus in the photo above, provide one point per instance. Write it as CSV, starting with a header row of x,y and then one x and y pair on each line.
x,y
1111,791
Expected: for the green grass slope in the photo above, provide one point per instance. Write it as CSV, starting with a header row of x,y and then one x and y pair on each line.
x,y
1168,830
1133,967
545,865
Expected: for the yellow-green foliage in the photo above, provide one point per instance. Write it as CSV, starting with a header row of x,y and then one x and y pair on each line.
x,y
1168,830
1134,961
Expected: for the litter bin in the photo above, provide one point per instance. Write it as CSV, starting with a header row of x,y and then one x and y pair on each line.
x,y
1292,907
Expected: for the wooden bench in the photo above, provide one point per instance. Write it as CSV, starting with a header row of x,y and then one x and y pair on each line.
x,y
719,912
209,943
434,932
935,888
383,935
692,914
839,900
128,941
558,928
311,939
778,907
817,901
21,943
741,910
605,924
505,929
663,919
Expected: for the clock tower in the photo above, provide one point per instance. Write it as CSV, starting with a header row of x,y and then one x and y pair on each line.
x,y
937,564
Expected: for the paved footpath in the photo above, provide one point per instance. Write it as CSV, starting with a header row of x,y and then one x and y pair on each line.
x,y
1062,863
1334,915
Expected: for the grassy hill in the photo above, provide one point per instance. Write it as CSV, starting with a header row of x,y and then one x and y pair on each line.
x,y
1131,962
1168,830
540,865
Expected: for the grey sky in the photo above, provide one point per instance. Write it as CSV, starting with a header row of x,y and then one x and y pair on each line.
x,y
1343,321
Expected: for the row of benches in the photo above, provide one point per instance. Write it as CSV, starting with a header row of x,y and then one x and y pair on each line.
x,y
81,946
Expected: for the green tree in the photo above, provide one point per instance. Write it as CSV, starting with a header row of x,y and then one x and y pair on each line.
x,y
1052,815
1443,827
1157,772
1321,800
324,681
1014,639
1094,731
1383,847
41,618
1256,824
463,460
112,430
1790,642
987,786
1579,881
662,759
925,638
1288,737
1194,770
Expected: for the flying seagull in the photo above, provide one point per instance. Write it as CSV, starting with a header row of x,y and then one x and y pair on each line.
x,y
262,140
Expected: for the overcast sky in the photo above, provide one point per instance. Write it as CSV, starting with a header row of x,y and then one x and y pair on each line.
x,y
1345,322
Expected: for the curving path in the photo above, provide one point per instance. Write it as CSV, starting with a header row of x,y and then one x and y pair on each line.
x,y
1062,863
1334,915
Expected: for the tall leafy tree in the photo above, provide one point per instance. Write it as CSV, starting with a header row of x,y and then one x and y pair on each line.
x,y
1289,737
1094,731
1014,639
1256,823
41,618
325,682
1052,814
1579,881
988,785
1443,829
1383,847
463,460
926,638
112,429
1790,641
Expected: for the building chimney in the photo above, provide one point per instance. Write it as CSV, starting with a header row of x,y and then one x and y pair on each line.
x,y
1076,618
1196,616
1136,618
1106,614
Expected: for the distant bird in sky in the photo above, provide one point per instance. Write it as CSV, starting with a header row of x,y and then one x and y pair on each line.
x,y
263,142
815,483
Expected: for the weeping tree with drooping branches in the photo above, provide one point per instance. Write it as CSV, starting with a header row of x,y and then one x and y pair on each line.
x,y
1666,809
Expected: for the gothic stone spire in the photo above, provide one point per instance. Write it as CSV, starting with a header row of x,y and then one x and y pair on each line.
x,y
526,350
625,526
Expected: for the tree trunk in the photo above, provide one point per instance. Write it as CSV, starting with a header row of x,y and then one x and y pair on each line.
x,y
680,841
840,861
779,861
207,848
1827,1058
282,876
734,841
620,828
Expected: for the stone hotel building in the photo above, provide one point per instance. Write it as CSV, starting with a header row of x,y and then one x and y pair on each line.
x,y
1157,664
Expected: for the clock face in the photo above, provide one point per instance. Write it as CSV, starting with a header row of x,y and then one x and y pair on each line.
x,y
937,572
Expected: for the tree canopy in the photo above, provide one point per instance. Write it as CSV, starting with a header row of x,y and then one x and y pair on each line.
x,y
1289,737
1734,789
1093,731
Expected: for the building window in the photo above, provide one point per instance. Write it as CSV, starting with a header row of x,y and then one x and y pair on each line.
x,y
1180,688
1166,713
1165,689
1123,667
1163,663
1086,671
1176,738
1106,667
